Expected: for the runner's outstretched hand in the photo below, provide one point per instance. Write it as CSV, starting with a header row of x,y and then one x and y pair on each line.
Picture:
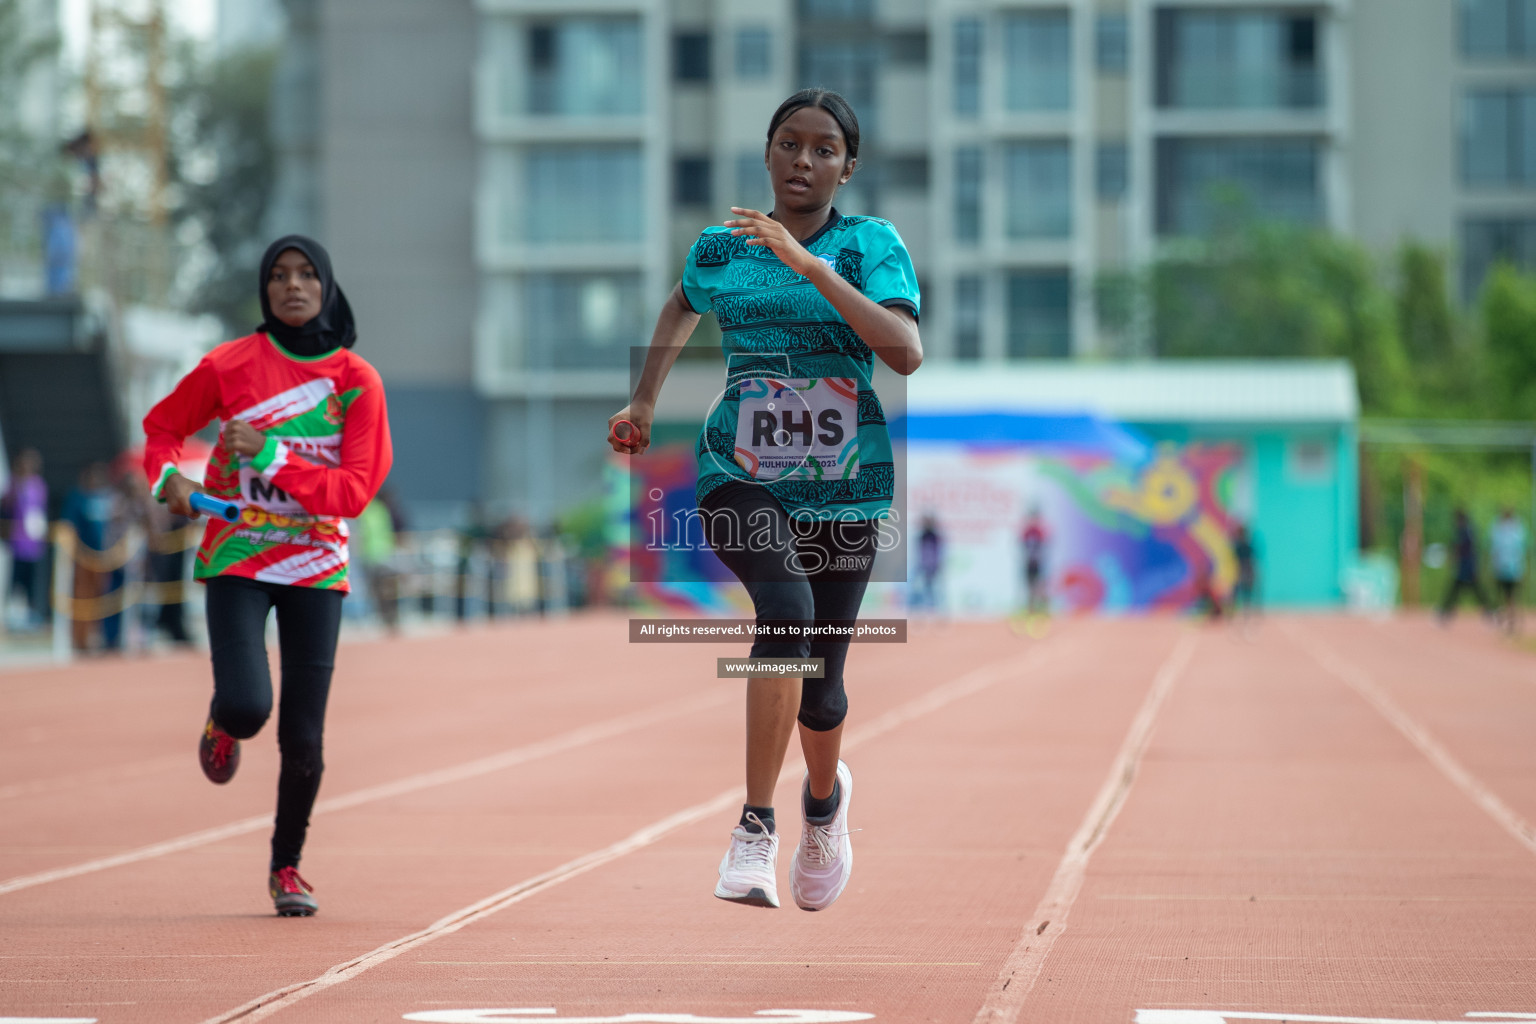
x,y
641,416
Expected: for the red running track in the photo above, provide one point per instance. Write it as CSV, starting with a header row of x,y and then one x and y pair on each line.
x,y
1128,820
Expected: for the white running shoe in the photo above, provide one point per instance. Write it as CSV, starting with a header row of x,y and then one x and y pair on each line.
x,y
824,859
749,869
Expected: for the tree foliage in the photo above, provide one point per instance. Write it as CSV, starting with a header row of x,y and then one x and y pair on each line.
x,y
224,167
31,168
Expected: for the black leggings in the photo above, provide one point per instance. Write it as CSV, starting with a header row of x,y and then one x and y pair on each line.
x,y
307,623
797,572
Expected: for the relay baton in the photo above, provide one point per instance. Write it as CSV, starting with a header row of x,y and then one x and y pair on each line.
x,y
216,508
629,438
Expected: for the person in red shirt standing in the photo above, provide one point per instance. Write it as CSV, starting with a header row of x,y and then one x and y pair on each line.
x,y
304,445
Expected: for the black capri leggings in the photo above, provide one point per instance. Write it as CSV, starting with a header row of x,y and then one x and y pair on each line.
x,y
796,571
307,623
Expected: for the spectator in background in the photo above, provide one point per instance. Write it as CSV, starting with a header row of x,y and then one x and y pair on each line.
x,y
95,510
930,559
1245,590
1464,547
375,551
1035,539
1506,547
24,527
166,569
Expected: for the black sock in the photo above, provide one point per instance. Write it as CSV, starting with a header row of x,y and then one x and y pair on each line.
x,y
819,812
764,814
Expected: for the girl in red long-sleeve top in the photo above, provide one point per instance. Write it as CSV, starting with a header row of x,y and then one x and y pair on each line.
x,y
304,444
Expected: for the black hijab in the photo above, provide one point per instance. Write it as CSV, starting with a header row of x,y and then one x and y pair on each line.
x,y
333,327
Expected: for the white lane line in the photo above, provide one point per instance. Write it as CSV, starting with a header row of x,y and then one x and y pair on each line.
x,y
576,738
264,1006
1359,680
1005,999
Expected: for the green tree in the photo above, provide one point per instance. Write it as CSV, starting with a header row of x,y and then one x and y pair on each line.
x,y
224,164
1270,290
31,168
1508,308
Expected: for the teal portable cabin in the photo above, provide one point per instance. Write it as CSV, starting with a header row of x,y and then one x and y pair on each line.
x,y
1288,427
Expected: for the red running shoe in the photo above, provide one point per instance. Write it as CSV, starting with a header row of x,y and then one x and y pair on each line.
x,y
292,896
218,753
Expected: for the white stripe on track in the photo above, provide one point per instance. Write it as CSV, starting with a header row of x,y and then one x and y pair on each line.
x,y
264,1006
576,738
1360,681
1005,1000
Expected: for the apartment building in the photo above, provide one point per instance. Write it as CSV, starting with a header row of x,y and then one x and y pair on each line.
x,y
558,156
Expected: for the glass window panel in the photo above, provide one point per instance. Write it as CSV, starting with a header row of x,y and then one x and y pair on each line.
x,y
1275,179
690,56
754,53
691,181
906,173
752,189
847,66
1039,183
968,186
581,67
1487,146
1112,44
838,10
1038,54
1238,60
1485,27
1039,314
582,194
1487,241
581,321
968,316
907,49
1113,171
968,66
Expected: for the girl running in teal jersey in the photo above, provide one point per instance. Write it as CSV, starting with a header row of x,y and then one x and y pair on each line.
x,y
795,462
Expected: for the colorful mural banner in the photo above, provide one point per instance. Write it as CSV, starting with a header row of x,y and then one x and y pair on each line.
x,y
1129,527
1121,535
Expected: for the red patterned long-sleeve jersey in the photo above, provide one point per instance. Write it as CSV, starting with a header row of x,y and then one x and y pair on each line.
x,y
327,453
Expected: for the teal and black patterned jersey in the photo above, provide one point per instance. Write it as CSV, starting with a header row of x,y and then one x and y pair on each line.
x,y
798,413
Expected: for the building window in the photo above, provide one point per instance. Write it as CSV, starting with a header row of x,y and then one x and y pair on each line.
x,y
1112,171
754,53
581,194
1498,29
584,67
968,183
690,181
1487,241
837,10
1112,44
690,57
905,173
968,317
1039,183
581,321
847,66
1271,178
907,49
1498,137
1038,55
1225,59
1039,314
968,66
752,189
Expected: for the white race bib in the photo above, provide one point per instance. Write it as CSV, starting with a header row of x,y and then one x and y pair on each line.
x,y
796,428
